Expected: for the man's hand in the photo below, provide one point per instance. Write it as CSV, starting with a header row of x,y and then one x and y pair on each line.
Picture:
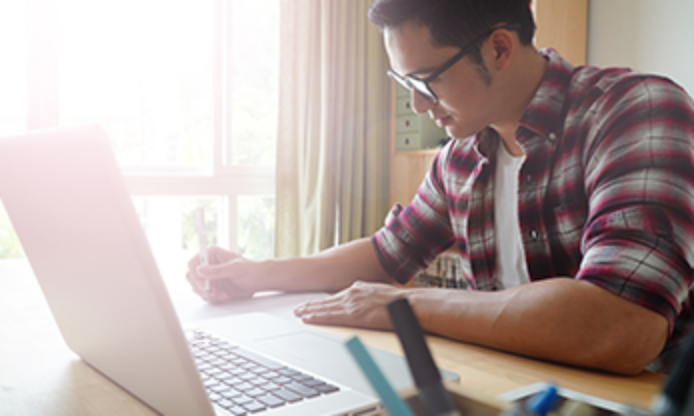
x,y
229,274
361,305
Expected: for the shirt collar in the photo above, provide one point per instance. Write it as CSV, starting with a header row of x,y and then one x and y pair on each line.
x,y
543,116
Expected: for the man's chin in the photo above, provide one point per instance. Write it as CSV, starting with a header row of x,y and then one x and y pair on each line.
x,y
456,132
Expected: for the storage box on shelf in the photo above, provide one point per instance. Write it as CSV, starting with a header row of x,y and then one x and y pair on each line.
x,y
414,131
416,140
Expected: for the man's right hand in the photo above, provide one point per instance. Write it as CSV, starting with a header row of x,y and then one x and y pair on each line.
x,y
229,275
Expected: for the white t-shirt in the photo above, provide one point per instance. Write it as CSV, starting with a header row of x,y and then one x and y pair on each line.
x,y
511,269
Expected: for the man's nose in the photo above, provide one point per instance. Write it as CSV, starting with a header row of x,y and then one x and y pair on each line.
x,y
420,104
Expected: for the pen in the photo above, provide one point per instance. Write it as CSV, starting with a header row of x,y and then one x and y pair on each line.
x,y
393,403
432,394
543,402
202,243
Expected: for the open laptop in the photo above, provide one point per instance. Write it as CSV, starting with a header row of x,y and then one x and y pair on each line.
x,y
65,195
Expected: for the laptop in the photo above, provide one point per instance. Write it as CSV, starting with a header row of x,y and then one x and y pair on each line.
x,y
65,195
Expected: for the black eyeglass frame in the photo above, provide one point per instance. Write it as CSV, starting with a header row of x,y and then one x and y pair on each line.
x,y
421,85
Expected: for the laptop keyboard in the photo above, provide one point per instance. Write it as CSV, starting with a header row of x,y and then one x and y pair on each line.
x,y
242,382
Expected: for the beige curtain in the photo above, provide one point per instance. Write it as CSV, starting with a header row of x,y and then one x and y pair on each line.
x,y
333,142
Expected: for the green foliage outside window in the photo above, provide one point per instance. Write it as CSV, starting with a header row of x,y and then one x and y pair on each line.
x,y
10,247
189,207
256,225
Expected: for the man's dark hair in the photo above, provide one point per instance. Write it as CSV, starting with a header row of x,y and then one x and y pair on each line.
x,y
455,22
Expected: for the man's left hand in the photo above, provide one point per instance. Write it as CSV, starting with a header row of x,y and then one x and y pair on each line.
x,y
360,305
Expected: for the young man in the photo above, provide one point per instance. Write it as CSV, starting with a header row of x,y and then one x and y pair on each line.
x,y
572,189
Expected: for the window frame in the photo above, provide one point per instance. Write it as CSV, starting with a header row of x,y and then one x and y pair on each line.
x,y
227,181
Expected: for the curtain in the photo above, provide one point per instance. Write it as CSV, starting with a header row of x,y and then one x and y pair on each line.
x,y
334,126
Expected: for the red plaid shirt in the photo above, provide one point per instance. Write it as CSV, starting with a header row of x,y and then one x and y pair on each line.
x,y
606,193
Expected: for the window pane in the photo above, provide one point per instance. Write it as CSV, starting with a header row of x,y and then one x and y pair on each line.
x,y
13,105
252,94
169,223
256,226
143,69
10,247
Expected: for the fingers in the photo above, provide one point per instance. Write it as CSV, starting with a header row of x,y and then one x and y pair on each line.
x,y
323,311
215,294
362,305
219,271
218,255
215,255
213,276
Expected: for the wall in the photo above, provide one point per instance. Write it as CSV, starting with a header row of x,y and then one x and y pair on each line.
x,y
655,36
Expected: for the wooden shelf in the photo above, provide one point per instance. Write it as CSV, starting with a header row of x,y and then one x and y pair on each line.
x,y
407,169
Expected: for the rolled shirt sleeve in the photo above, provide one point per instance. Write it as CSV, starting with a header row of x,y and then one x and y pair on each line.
x,y
639,238
413,236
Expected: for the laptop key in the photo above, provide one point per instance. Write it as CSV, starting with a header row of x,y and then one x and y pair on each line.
x,y
259,369
234,370
230,394
287,395
269,386
312,382
270,401
254,407
282,380
257,381
218,388
326,388
244,386
302,390
210,382
237,410
246,376
271,374
234,381
255,392
224,375
225,403
241,400
301,378
288,372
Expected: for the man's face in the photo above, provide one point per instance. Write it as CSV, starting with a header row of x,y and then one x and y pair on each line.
x,y
464,104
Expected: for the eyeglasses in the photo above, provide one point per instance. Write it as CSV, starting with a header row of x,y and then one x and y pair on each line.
x,y
421,85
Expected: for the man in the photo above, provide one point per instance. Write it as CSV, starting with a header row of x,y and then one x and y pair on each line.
x,y
571,189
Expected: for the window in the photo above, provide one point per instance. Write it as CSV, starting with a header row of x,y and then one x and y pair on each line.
x,y
187,92
13,71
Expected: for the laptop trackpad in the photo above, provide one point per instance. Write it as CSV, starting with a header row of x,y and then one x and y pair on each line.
x,y
304,346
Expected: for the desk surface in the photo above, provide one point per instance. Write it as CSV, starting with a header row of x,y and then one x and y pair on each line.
x,y
39,375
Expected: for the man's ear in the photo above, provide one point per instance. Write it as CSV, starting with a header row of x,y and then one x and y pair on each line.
x,y
500,49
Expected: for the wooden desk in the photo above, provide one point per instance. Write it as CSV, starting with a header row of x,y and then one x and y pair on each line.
x,y
39,375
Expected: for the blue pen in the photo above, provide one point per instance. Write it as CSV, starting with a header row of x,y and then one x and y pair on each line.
x,y
393,403
543,402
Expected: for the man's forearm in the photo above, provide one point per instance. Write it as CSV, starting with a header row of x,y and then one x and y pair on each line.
x,y
330,270
562,320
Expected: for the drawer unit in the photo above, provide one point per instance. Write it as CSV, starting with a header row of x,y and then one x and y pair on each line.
x,y
407,123
407,141
403,106
413,131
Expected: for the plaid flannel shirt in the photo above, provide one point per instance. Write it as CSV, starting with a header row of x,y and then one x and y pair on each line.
x,y
606,193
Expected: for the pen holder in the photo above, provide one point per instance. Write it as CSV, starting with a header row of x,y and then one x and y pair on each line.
x,y
469,403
